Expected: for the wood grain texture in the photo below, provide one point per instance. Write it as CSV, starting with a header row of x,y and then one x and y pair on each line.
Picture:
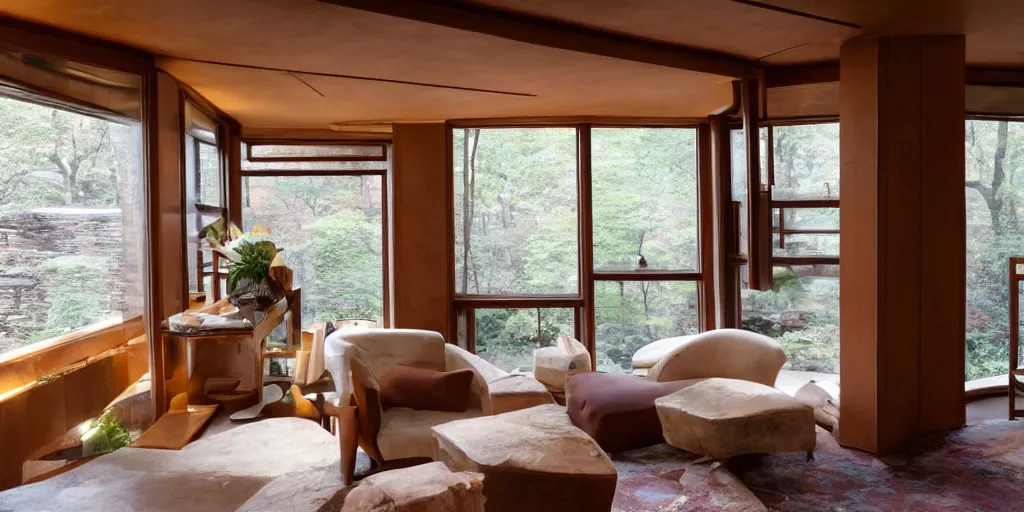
x,y
902,251
420,230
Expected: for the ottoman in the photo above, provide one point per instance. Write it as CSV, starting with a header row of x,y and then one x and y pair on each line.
x,y
532,459
720,418
618,410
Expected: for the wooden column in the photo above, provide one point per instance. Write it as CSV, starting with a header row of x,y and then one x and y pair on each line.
x,y
166,266
903,238
421,230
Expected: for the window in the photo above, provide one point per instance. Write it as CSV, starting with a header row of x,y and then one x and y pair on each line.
x,y
801,311
645,230
516,227
331,230
519,214
72,222
328,216
631,314
507,338
204,197
994,153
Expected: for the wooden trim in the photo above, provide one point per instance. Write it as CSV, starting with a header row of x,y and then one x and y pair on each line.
x,y
805,260
556,34
804,203
584,192
782,230
572,121
788,76
799,121
1008,77
519,302
51,41
385,252
233,153
726,274
449,190
250,134
1015,279
706,303
30,363
312,172
758,267
382,158
646,275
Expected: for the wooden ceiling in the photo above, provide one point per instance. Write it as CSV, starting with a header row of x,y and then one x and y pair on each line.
x,y
400,65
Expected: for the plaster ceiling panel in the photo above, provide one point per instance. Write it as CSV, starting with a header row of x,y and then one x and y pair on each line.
x,y
313,36
719,25
273,99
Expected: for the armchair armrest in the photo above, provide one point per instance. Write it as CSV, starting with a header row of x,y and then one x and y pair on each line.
x,y
496,390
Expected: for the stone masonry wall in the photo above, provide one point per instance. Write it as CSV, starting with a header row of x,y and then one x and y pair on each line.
x,y
30,239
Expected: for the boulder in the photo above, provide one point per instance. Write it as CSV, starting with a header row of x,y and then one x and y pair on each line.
x,y
532,459
425,488
720,418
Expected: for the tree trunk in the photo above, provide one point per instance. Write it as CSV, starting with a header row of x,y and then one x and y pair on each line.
x,y
991,192
466,215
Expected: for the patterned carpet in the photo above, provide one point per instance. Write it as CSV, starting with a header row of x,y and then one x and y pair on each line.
x,y
978,468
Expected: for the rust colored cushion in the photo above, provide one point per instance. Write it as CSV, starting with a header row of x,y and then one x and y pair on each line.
x,y
426,390
618,410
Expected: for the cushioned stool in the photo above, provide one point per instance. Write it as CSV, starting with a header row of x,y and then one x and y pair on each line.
x,y
720,418
618,410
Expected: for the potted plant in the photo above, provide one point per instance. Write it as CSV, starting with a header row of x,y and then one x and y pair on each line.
x,y
249,285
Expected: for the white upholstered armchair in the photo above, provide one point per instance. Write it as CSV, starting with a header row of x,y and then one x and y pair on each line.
x,y
728,353
356,358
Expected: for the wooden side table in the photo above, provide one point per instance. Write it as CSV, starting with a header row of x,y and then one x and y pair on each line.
x,y
179,366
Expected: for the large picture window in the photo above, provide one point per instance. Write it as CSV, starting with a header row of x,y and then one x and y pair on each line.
x,y
526,200
327,212
72,226
995,203
801,311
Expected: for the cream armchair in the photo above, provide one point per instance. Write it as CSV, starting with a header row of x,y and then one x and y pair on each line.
x,y
356,357
728,353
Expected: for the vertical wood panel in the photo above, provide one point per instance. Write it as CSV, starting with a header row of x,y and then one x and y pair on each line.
x,y
706,235
421,231
726,276
902,251
943,237
759,247
858,244
584,194
166,247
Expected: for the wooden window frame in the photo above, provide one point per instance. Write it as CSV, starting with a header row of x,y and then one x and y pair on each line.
x,y
383,146
584,313
220,143
384,202
23,367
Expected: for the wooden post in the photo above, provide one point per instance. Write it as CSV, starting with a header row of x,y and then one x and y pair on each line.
x,y
903,247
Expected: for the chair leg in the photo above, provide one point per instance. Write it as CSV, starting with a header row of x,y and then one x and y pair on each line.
x,y
348,437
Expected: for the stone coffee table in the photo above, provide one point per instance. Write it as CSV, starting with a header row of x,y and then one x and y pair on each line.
x,y
721,418
532,459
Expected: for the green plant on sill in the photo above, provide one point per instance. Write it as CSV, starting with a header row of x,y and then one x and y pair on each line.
x,y
105,434
252,263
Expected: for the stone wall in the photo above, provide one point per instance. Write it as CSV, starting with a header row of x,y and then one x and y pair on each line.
x,y
31,240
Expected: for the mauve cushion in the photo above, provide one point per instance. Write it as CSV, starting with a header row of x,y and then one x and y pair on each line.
x,y
618,410
426,390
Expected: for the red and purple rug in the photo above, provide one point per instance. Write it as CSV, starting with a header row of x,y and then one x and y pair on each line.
x,y
978,468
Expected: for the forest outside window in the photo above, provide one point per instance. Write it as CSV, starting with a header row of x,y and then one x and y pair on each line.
x,y
327,212
517,211
72,222
995,204
801,311
516,218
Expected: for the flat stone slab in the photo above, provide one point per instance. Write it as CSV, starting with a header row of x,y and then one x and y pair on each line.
x,y
721,418
532,459
425,488
215,474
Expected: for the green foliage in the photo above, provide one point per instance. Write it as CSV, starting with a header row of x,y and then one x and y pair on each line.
x,y
105,434
82,294
253,263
